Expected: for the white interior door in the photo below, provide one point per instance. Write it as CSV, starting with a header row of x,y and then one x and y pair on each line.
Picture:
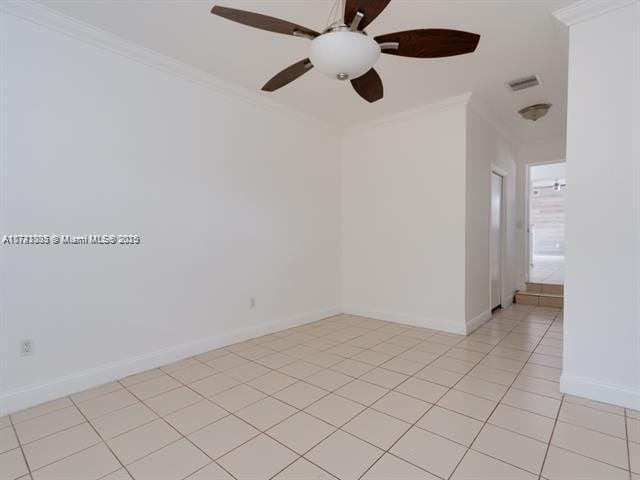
x,y
496,240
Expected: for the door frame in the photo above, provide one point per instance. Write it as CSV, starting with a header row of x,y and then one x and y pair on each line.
x,y
503,234
528,256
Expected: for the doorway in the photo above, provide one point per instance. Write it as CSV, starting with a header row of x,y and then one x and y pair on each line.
x,y
546,230
496,239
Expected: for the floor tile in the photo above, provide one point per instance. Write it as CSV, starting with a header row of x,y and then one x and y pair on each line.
x,y
248,371
362,392
302,469
481,388
433,453
384,378
563,465
195,416
90,464
12,464
268,457
324,359
96,392
510,447
173,462
454,365
591,444
193,373
633,429
154,387
49,423
440,376
137,443
237,398
224,435
39,410
8,440
372,358
467,404
272,382
227,362
606,407
123,420
300,394
377,428
593,419
173,400
352,368
179,365
301,432
118,475
537,385
522,422
275,360
211,472
495,375
401,406
50,449
334,409
328,380
532,402
419,356
104,404
391,467
141,377
402,365
208,387
300,369
330,455
422,389
634,457
451,425
477,466
266,413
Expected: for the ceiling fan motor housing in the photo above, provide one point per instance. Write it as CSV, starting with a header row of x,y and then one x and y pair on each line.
x,y
342,54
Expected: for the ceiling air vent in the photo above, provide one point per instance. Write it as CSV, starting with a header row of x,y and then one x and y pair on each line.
x,y
524,82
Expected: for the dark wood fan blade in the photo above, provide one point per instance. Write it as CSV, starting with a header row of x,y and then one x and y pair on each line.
x,y
369,86
262,22
288,75
370,8
430,43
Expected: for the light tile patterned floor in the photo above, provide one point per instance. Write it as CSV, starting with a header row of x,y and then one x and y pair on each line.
x,y
346,397
547,269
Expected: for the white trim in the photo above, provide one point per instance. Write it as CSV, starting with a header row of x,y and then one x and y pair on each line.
x,y
39,14
602,392
31,395
586,9
404,318
477,322
428,109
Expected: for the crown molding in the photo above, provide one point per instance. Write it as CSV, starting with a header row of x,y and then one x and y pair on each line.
x,y
586,9
49,18
428,109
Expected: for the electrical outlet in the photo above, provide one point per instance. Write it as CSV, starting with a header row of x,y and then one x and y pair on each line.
x,y
252,302
26,347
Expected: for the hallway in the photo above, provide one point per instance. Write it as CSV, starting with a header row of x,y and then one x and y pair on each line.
x,y
547,269
403,401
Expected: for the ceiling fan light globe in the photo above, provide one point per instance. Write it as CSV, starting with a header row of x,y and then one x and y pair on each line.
x,y
344,55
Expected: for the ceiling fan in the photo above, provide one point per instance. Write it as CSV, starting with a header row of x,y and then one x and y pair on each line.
x,y
344,51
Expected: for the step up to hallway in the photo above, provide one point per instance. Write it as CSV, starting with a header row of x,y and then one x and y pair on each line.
x,y
542,294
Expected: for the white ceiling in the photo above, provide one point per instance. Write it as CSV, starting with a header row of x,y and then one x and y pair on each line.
x,y
518,37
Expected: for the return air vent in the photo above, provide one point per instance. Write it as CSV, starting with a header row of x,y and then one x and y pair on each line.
x,y
524,82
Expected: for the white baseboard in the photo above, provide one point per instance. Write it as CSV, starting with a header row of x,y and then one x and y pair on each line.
x,y
602,392
31,395
477,321
407,319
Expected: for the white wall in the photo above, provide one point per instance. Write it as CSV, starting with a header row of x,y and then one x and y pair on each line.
x,y
487,150
544,151
602,300
403,218
232,200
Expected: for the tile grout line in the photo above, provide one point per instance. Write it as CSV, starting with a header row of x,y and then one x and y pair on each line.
x,y
499,402
24,456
